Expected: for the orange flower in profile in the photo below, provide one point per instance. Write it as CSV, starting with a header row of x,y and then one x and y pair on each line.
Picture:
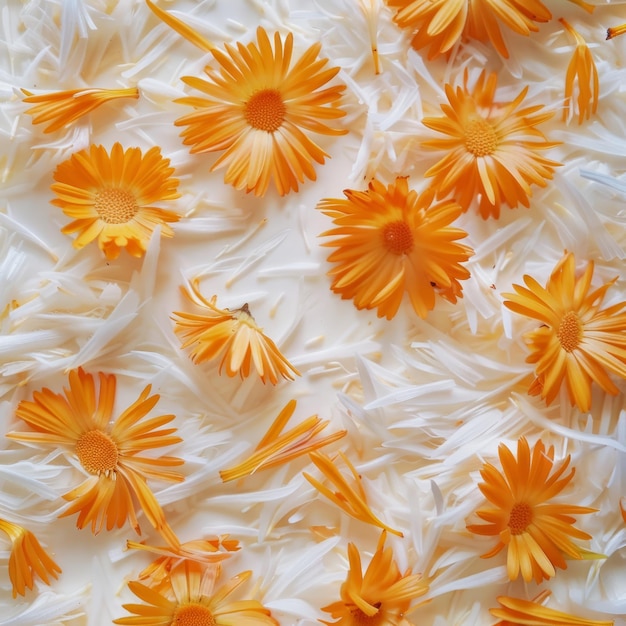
x,y
390,241
577,342
490,154
110,197
262,113
27,558
61,108
535,531
381,596
109,454
233,337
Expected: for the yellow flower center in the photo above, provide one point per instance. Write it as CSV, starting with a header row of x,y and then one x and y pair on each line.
x,y
480,137
520,517
115,206
397,237
265,110
361,619
97,452
192,615
570,331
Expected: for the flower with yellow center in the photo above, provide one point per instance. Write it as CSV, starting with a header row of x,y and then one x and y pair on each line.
x,y
492,148
110,197
262,113
27,558
535,531
390,241
108,453
578,342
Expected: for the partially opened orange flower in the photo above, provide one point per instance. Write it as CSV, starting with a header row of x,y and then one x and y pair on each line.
x,y
379,597
493,148
578,342
535,531
232,337
27,558
263,114
390,242
110,197
109,453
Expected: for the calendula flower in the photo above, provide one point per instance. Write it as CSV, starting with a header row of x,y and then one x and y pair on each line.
x,y
262,113
108,453
536,531
27,559
390,241
614,31
578,342
379,597
110,197
350,498
192,599
493,148
233,337
61,108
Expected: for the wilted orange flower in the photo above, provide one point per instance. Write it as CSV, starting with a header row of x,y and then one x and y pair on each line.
x,y
231,336
390,241
27,558
61,108
262,113
490,155
381,596
110,197
614,31
192,599
577,342
535,531
109,454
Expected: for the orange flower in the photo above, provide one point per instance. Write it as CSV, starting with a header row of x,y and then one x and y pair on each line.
x,y
490,155
535,531
262,113
381,596
27,558
390,241
614,31
61,108
108,454
577,341
231,336
110,197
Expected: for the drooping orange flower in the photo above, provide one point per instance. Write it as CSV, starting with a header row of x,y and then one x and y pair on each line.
x,y
110,197
61,108
233,337
27,558
536,531
390,241
379,597
577,342
493,148
262,113
109,454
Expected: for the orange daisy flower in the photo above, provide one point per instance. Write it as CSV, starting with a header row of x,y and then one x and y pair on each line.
x,y
262,113
381,596
109,454
577,342
535,531
62,108
490,154
27,558
231,336
390,241
110,197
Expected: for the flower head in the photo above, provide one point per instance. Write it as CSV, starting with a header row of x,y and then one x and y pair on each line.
x,y
262,113
577,342
390,241
109,454
535,531
492,148
27,558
